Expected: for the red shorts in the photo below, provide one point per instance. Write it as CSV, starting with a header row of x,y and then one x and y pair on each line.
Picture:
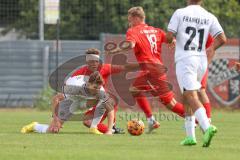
x,y
204,80
156,84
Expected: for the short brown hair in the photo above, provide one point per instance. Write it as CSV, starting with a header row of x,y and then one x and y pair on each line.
x,y
136,12
196,1
96,78
93,51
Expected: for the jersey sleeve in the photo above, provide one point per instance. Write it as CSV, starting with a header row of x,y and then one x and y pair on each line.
x,y
111,69
116,69
80,71
130,36
215,28
174,22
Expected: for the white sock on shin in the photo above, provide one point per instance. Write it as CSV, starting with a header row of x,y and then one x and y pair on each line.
x,y
98,114
151,119
190,126
202,119
41,128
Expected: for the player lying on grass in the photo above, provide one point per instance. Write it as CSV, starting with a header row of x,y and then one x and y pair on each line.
x,y
77,92
92,64
146,42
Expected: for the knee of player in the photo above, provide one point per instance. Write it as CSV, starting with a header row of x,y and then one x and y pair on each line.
x,y
87,123
168,100
191,97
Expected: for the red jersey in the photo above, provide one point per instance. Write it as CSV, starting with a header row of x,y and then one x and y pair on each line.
x,y
148,42
209,41
105,70
204,79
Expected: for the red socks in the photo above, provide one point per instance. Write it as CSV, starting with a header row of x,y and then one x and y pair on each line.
x,y
102,127
178,109
207,107
144,105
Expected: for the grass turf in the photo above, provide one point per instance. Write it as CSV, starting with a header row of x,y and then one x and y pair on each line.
x,y
74,142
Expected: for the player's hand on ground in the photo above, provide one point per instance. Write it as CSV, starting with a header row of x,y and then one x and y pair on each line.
x,y
55,125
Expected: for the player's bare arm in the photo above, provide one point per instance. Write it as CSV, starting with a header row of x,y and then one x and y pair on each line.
x,y
131,66
218,42
56,123
170,37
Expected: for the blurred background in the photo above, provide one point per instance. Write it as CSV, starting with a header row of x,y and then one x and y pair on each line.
x,y
36,36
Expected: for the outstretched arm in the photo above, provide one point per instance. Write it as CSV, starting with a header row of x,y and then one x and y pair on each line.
x,y
55,103
131,66
56,123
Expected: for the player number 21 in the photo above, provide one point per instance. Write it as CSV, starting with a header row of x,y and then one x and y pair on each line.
x,y
193,32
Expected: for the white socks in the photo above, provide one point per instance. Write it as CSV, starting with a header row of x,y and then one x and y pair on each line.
x,y
190,126
150,120
202,119
41,128
98,114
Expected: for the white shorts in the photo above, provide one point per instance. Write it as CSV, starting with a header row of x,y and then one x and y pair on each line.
x,y
190,72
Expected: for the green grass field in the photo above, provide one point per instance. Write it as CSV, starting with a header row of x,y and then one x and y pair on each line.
x,y
74,142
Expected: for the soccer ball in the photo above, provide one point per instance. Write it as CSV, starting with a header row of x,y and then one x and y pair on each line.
x,y
135,127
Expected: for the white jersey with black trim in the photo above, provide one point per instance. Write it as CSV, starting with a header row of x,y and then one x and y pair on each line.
x,y
192,25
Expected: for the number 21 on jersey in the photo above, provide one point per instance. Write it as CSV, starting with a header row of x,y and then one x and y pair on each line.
x,y
193,32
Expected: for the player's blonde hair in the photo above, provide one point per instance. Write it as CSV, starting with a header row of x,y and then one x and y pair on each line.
x,y
137,12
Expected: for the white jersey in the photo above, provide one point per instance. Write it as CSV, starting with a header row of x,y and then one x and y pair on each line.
x,y
192,25
80,83
77,95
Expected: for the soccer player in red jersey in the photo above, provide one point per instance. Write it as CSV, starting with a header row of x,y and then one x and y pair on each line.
x,y
146,43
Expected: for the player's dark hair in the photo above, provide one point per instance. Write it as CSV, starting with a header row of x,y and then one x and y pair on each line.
x,y
96,78
93,51
195,1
